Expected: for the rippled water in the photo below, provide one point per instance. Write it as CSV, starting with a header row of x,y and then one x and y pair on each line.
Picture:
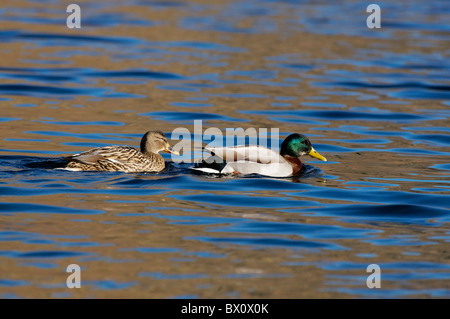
x,y
375,102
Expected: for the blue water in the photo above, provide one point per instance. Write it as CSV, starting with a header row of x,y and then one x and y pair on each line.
x,y
375,103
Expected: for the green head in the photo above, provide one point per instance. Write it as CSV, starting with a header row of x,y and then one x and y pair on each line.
x,y
296,145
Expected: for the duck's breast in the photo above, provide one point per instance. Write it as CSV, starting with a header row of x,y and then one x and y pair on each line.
x,y
278,169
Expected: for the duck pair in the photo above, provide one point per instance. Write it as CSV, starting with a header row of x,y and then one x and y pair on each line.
x,y
252,159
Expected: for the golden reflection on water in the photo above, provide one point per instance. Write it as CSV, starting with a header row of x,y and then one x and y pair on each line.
x,y
115,241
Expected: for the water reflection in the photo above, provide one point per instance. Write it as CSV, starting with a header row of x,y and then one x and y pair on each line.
x,y
375,102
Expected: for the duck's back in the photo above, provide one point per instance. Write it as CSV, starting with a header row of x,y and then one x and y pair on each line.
x,y
116,158
251,154
252,159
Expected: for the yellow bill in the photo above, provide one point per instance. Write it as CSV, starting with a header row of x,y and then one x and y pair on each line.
x,y
314,153
170,150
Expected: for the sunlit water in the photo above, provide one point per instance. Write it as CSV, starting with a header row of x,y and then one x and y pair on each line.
x,y
374,102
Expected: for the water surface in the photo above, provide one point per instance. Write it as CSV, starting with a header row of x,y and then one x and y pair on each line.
x,y
375,103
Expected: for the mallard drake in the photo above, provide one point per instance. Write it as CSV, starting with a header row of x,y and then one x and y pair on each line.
x,y
124,158
256,159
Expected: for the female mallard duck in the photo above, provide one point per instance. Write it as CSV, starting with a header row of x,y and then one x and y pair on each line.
x,y
259,160
124,158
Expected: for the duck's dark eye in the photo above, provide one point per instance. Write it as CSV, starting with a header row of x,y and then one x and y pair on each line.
x,y
308,144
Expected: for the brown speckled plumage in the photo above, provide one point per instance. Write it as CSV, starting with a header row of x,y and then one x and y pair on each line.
x,y
124,158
